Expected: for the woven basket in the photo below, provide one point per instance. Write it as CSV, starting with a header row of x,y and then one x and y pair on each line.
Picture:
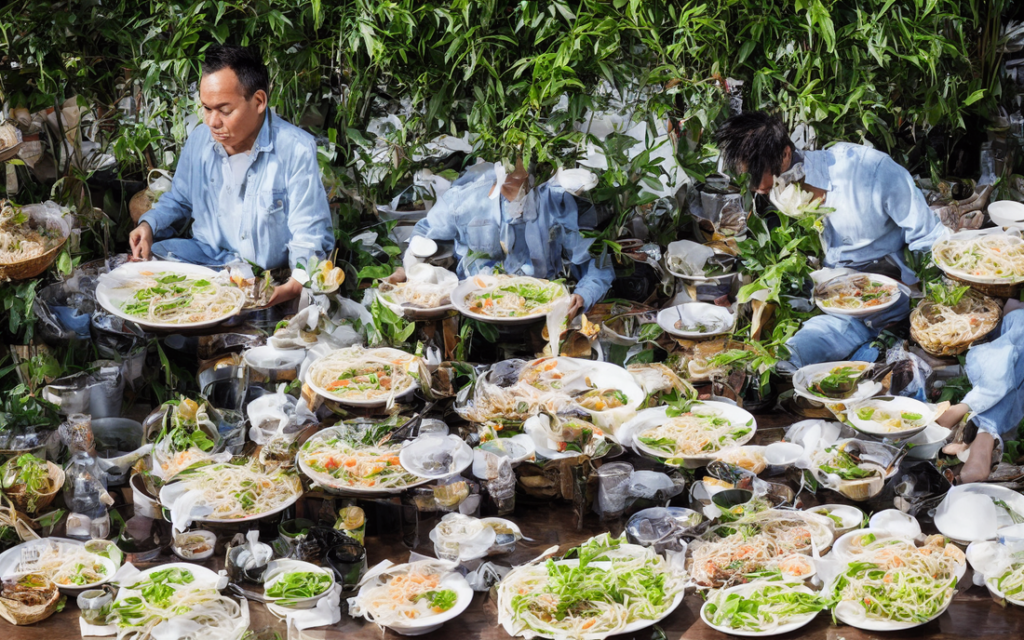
x,y
20,498
999,290
21,614
945,349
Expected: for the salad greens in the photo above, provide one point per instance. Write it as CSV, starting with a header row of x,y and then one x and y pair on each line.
x,y
439,601
299,584
185,432
30,472
766,607
843,465
839,382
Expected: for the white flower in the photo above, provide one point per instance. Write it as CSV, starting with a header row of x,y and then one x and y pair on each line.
x,y
793,201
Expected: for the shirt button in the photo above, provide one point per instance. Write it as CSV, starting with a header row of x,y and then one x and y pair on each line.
x,y
280,203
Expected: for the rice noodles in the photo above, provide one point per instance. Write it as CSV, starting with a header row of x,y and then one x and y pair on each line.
x,y
20,240
948,330
406,593
996,256
896,581
342,457
514,297
67,565
240,491
761,545
609,585
358,374
181,605
417,295
1011,582
855,292
700,431
170,298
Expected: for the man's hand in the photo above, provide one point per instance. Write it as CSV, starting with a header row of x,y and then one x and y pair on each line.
x,y
396,277
141,242
575,305
287,291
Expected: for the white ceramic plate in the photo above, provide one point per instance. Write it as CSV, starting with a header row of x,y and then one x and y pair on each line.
x,y
167,497
844,549
9,561
650,418
1013,237
1007,213
469,286
111,297
718,320
377,402
807,376
453,581
892,405
745,589
333,486
864,311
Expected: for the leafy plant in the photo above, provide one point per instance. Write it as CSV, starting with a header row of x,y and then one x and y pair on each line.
x,y
946,293
30,472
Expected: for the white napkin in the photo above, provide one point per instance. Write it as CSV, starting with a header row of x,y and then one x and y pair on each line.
x,y
96,630
326,612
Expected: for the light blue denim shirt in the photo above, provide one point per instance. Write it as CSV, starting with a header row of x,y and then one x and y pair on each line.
x,y
543,242
878,208
283,217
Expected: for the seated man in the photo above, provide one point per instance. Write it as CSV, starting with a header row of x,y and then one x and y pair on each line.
x,y
877,210
248,181
529,234
996,399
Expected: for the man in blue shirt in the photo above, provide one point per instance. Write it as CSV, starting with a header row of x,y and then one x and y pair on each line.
x,y
877,210
248,181
497,222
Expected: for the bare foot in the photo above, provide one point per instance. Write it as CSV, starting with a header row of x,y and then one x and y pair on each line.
x,y
953,416
979,464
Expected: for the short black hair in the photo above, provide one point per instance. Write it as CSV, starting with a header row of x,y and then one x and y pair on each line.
x,y
252,73
756,140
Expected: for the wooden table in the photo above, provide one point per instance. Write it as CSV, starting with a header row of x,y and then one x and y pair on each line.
x,y
973,614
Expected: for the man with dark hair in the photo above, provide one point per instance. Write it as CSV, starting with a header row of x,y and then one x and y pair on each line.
x,y
247,180
873,207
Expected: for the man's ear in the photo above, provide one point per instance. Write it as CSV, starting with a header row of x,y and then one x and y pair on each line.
x,y
261,101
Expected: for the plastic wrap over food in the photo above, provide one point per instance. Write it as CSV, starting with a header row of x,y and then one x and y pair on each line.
x,y
459,538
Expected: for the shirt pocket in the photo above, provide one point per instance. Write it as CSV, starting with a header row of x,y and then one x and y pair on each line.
x,y
482,238
272,231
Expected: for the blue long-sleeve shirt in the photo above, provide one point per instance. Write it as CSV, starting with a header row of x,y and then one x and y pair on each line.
x,y
539,243
878,208
282,217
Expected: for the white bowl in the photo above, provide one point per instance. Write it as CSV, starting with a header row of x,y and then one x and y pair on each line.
x,y
892,404
719,320
210,538
928,443
968,513
864,311
276,569
850,517
895,521
1007,213
414,456
782,454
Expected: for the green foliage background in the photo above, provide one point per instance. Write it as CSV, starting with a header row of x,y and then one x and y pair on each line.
x,y
884,71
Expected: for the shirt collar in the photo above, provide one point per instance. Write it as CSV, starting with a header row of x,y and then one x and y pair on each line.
x,y
816,169
264,139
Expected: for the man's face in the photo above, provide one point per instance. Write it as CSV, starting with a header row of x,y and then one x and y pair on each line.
x,y
234,121
767,179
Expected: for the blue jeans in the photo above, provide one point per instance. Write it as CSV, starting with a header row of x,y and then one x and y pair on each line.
x,y
830,338
996,371
192,251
